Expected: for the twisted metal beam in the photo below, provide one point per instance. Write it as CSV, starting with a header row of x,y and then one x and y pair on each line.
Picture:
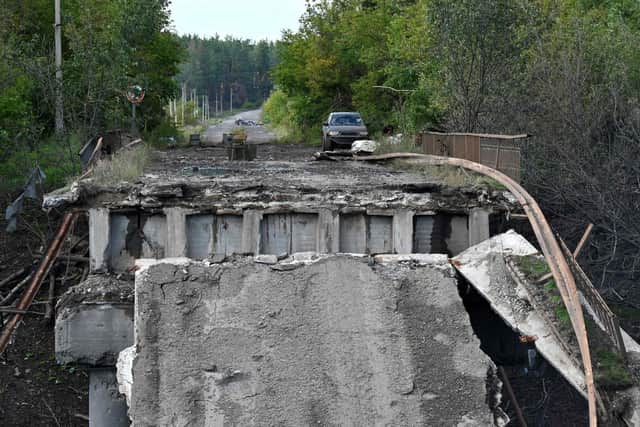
x,y
550,248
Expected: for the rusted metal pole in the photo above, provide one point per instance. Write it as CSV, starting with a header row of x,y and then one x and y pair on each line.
x,y
582,241
512,397
550,248
36,280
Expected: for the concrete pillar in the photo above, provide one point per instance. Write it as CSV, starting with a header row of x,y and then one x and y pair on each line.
x,y
403,232
98,238
478,226
251,231
176,232
107,407
328,232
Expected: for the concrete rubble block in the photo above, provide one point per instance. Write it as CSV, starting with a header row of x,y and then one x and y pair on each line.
x,y
107,407
94,321
199,236
483,266
176,232
353,233
379,234
98,238
403,232
336,342
275,234
266,259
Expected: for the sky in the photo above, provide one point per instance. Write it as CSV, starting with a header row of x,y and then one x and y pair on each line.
x,y
245,19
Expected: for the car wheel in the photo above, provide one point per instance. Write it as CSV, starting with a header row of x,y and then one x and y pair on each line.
x,y
326,145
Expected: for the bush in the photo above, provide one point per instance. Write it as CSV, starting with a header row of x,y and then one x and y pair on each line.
x,y
58,158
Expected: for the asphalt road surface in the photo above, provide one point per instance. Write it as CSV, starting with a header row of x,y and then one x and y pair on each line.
x,y
255,134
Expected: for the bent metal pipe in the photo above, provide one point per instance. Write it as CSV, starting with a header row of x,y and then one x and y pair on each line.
x,y
550,248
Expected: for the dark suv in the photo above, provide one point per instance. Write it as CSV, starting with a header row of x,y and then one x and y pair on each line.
x,y
341,129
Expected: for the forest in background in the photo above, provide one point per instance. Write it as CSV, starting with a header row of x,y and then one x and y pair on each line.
x,y
226,69
107,46
566,72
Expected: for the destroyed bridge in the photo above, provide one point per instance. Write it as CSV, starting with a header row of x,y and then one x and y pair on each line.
x,y
290,291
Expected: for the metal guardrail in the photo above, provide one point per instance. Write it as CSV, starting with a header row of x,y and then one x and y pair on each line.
x,y
601,310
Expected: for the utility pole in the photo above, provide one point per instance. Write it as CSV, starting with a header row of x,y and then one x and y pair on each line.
x,y
231,98
58,48
184,99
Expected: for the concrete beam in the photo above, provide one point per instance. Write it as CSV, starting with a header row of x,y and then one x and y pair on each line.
x,y
98,238
403,232
176,232
251,231
328,231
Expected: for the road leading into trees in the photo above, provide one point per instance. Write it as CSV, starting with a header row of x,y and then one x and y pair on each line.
x,y
255,134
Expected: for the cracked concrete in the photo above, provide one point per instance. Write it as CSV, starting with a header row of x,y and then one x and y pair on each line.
x,y
335,341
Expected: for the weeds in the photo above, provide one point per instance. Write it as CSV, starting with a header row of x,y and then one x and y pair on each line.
x,y
451,176
125,165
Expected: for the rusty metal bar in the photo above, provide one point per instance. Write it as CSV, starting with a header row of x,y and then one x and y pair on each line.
x,y
550,248
582,241
36,280
512,397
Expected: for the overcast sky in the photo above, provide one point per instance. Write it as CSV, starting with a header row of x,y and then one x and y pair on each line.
x,y
246,19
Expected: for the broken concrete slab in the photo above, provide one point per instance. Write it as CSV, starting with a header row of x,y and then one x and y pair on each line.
x,y
483,266
334,342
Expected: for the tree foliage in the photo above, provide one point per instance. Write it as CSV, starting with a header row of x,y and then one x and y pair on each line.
x,y
107,46
565,71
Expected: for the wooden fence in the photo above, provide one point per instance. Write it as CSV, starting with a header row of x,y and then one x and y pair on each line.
x,y
501,152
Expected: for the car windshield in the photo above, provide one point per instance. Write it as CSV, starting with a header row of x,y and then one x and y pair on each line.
x,y
346,120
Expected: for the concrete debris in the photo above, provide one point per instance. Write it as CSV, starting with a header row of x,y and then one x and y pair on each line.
x,y
329,343
124,373
483,265
93,322
364,146
266,259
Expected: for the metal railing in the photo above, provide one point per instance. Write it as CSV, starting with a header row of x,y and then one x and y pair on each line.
x,y
605,316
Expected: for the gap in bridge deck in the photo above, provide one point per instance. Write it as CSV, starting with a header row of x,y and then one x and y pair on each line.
x,y
543,394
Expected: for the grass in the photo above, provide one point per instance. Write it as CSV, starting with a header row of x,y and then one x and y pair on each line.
x,y
533,267
452,176
610,370
405,144
125,165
